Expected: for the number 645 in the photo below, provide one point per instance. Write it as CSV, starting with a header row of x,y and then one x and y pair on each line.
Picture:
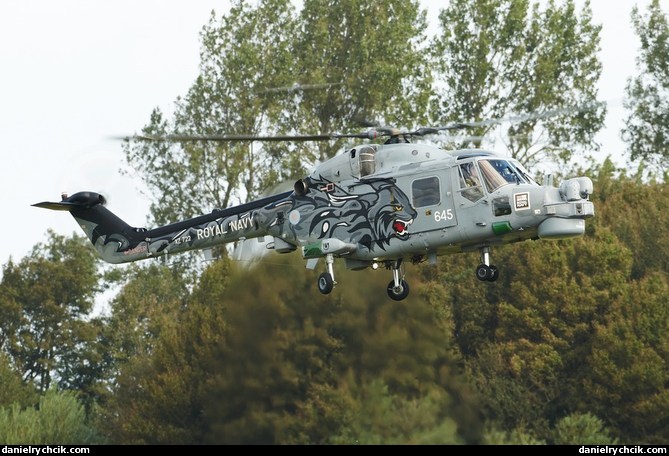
x,y
446,214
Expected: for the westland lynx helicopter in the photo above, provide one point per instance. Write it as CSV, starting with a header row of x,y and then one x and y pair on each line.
x,y
373,204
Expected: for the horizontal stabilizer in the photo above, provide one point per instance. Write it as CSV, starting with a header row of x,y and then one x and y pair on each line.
x,y
60,206
81,200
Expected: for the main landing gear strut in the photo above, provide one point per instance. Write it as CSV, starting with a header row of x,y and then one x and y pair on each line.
x,y
326,281
398,288
485,270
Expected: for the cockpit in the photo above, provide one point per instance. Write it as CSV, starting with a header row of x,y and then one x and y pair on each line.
x,y
490,174
499,172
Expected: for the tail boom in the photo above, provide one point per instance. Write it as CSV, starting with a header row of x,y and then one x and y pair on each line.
x,y
118,242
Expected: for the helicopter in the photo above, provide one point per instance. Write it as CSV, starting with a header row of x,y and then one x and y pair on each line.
x,y
374,204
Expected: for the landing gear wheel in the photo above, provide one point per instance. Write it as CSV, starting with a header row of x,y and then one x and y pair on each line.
x,y
489,273
483,272
325,283
398,293
494,273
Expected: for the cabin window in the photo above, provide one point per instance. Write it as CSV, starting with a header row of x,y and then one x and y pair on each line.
x,y
470,182
425,192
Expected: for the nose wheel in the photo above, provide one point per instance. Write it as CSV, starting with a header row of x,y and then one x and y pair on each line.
x,y
486,271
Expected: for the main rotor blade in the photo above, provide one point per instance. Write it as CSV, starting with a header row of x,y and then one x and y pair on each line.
x,y
522,117
371,134
538,115
300,87
375,131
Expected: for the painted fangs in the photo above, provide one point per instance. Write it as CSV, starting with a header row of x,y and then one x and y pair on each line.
x,y
400,226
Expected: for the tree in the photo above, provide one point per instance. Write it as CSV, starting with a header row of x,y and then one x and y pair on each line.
x,y
582,429
629,363
646,130
14,389
524,339
260,357
162,337
508,59
318,361
637,211
366,59
264,70
58,419
276,349
147,302
571,328
45,300
241,56
379,417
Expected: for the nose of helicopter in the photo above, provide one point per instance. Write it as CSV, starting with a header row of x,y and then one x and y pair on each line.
x,y
576,189
566,209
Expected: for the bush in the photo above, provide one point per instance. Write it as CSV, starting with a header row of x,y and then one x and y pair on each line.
x,y
58,419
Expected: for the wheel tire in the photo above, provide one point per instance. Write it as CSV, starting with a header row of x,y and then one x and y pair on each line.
x,y
483,272
400,292
494,273
325,283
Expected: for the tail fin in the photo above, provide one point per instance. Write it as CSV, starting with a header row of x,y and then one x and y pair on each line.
x,y
109,234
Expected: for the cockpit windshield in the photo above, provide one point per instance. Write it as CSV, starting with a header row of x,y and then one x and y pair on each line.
x,y
523,172
499,172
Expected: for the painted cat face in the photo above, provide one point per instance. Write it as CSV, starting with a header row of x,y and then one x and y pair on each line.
x,y
377,212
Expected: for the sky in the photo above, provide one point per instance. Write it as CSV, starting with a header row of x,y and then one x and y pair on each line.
x,y
74,73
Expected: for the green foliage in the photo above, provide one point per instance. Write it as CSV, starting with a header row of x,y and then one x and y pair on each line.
x,y
44,300
261,357
629,364
381,418
574,429
582,429
509,58
524,339
567,346
144,306
265,69
638,213
14,390
277,352
646,130
58,419
165,357
242,55
516,436
368,55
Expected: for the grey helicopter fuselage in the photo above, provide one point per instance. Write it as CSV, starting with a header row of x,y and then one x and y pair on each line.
x,y
374,204
381,202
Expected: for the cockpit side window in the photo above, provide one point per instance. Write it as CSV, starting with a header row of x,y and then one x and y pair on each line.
x,y
425,192
470,181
